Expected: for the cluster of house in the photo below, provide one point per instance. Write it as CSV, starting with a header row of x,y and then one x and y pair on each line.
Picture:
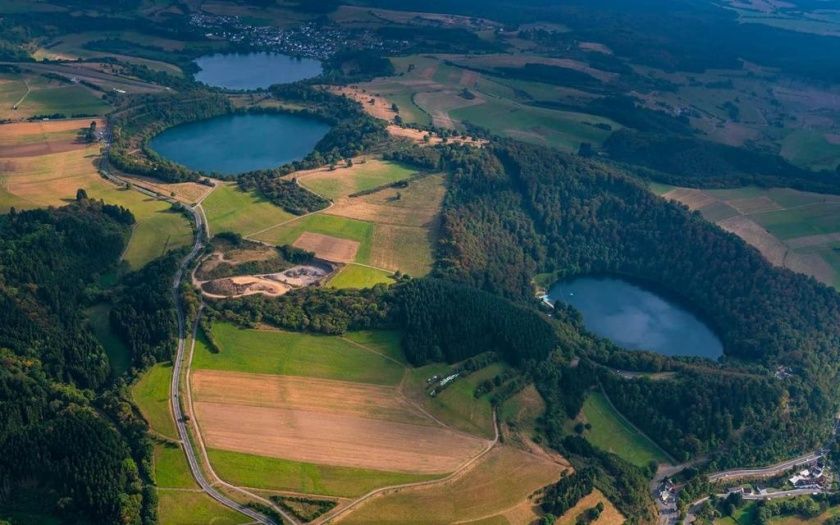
x,y
666,491
815,476
315,40
440,382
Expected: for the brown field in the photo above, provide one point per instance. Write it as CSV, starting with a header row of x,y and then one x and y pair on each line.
x,y
380,108
48,179
499,485
694,199
813,240
324,422
610,515
328,247
770,247
186,192
12,134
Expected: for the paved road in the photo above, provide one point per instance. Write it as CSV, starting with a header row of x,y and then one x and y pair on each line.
x,y
176,379
765,472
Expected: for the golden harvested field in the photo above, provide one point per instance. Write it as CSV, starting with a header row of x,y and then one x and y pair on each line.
x,y
29,139
325,422
498,485
328,247
406,223
365,174
186,192
610,515
52,180
374,104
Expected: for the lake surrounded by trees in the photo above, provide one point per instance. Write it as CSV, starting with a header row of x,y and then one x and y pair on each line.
x,y
247,71
234,144
635,318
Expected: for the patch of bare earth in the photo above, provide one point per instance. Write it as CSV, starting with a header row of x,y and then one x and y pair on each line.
x,y
328,247
243,285
373,104
325,422
419,137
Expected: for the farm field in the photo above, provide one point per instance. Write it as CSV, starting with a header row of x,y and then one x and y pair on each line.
x,y
456,405
385,342
118,354
812,150
497,486
327,422
183,507
362,176
288,353
228,208
321,224
609,516
39,180
611,433
171,469
794,229
406,222
355,276
24,95
151,393
262,472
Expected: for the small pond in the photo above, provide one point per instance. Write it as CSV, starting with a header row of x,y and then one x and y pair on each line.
x,y
233,144
636,318
246,71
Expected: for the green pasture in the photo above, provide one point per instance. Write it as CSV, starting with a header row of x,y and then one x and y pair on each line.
x,y
611,432
386,342
335,226
355,276
151,394
281,474
179,507
171,468
296,354
229,208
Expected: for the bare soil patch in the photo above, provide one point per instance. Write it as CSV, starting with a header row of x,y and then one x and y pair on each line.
x,y
419,137
328,247
339,439
754,234
243,285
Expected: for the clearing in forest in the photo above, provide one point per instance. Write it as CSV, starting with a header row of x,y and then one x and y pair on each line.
x,y
611,432
609,516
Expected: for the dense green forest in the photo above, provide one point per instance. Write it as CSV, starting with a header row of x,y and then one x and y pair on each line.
x,y
68,440
522,210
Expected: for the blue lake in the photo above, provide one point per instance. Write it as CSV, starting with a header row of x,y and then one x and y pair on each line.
x,y
246,71
233,144
637,319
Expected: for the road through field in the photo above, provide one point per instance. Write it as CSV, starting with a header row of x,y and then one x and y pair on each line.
x,y
178,414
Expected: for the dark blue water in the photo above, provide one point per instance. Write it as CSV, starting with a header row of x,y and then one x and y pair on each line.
x,y
636,318
244,71
234,144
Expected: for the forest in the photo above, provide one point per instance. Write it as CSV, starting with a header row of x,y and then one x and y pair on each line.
x,y
69,439
522,210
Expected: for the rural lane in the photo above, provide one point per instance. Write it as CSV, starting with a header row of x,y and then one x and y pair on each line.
x,y
765,472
